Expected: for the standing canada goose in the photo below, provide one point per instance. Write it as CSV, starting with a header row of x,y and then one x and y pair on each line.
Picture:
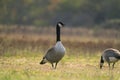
x,y
110,56
56,53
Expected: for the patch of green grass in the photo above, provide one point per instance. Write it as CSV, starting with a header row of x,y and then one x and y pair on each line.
x,y
70,68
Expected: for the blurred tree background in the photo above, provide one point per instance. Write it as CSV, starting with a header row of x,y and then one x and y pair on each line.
x,y
82,13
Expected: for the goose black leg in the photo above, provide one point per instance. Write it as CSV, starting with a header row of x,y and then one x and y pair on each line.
x,y
52,65
113,65
109,65
55,65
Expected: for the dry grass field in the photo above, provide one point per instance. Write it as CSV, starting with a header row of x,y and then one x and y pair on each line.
x,y
22,48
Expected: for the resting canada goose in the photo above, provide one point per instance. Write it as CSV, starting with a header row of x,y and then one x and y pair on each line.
x,y
56,53
110,56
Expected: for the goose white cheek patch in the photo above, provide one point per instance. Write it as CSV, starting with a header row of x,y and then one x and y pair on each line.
x,y
45,60
60,25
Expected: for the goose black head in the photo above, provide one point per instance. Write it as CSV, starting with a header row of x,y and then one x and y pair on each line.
x,y
60,24
101,62
43,61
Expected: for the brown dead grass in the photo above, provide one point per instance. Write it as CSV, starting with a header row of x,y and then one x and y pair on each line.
x,y
32,39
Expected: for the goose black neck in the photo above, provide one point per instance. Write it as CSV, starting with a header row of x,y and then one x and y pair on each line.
x,y
102,61
118,57
57,33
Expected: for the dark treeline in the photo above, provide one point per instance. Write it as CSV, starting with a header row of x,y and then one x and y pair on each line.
x,y
105,13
